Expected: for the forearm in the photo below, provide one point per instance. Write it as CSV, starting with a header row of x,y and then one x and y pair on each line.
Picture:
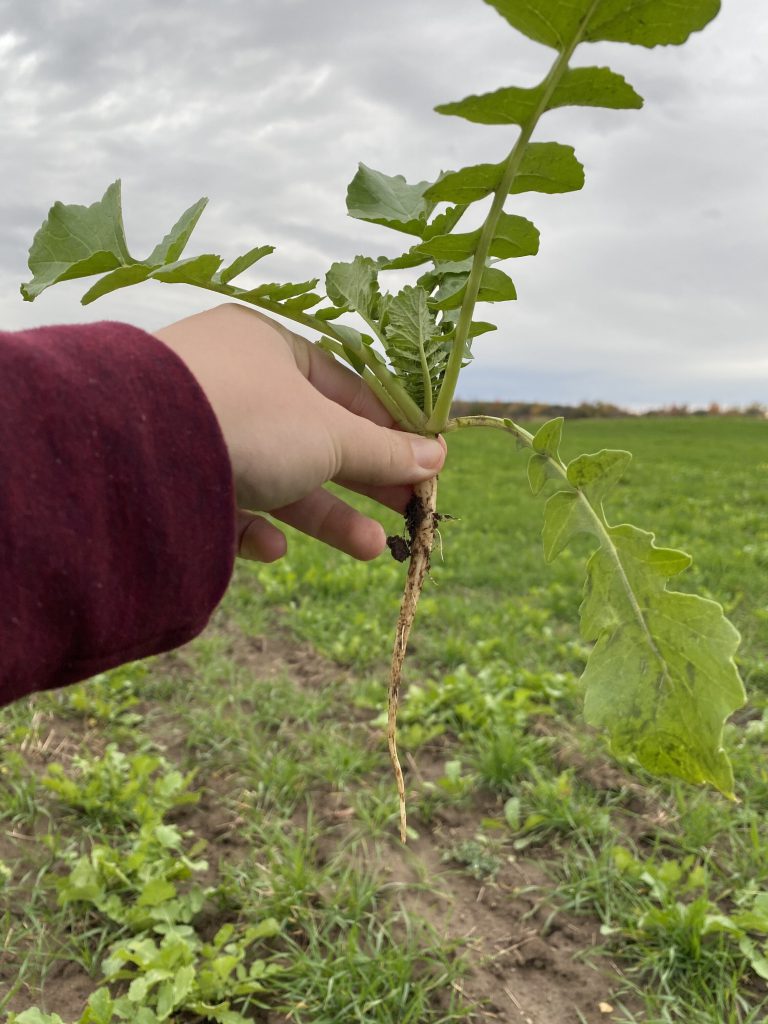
x,y
116,504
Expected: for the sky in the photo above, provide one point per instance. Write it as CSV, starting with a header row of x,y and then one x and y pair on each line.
x,y
650,286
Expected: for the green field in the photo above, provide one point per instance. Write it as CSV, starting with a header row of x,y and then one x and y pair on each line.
x,y
212,835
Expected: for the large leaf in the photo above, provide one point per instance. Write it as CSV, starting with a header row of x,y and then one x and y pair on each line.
x,y
78,241
645,22
547,167
388,200
661,677
584,87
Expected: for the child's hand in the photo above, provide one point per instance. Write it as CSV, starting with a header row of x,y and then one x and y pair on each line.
x,y
293,418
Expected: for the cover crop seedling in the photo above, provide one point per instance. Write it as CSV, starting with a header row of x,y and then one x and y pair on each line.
x,y
661,679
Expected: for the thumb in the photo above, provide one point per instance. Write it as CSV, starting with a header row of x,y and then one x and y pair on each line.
x,y
370,454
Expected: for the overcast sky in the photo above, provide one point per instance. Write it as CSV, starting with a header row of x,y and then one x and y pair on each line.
x,y
650,286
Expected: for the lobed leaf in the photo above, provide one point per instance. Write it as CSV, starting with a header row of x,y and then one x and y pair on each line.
x,y
585,87
388,200
661,678
495,286
415,348
242,263
278,292
547,167
514,236
173,244
354,285
194,270
78,241
645,22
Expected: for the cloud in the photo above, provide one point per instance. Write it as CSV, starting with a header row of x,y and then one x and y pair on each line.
x,y
267,108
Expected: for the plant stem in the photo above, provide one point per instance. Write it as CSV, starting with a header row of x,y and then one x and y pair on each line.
x,y
511,167
601,527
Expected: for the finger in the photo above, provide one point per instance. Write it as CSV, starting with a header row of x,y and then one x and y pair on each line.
x,y
329,519
259,540
336,382
369,455
394,496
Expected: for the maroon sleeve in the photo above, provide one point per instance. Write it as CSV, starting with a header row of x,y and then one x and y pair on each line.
x,y
117,511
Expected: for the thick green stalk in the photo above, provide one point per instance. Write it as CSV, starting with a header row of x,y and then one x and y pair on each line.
x,y
439,417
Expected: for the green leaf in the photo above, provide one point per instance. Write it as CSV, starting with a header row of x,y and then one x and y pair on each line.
x,y
585,87
123,277
547,438
412,258
266,929
99,1009
388,200
278,292
514,236
547,167
171,247
36,1016
538,473
194,270
495,286
597,474
156,891
661,677
564,516
354,285
242,263
446,221
645,22
415,349
77,241
512,813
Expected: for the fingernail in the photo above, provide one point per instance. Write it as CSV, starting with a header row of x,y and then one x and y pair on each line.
x,y
428,453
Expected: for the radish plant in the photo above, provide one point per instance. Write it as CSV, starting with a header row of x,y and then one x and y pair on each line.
x,y
661,679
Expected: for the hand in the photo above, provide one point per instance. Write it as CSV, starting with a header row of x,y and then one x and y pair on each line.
x,y
293,418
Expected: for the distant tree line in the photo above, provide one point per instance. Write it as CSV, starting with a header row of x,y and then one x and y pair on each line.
x,y
597,410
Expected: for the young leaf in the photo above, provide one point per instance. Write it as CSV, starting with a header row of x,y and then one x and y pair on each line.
x,y
77,241
415,349
391,201
546,441
354,285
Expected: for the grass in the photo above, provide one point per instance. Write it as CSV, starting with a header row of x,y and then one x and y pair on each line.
x,y
249,743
